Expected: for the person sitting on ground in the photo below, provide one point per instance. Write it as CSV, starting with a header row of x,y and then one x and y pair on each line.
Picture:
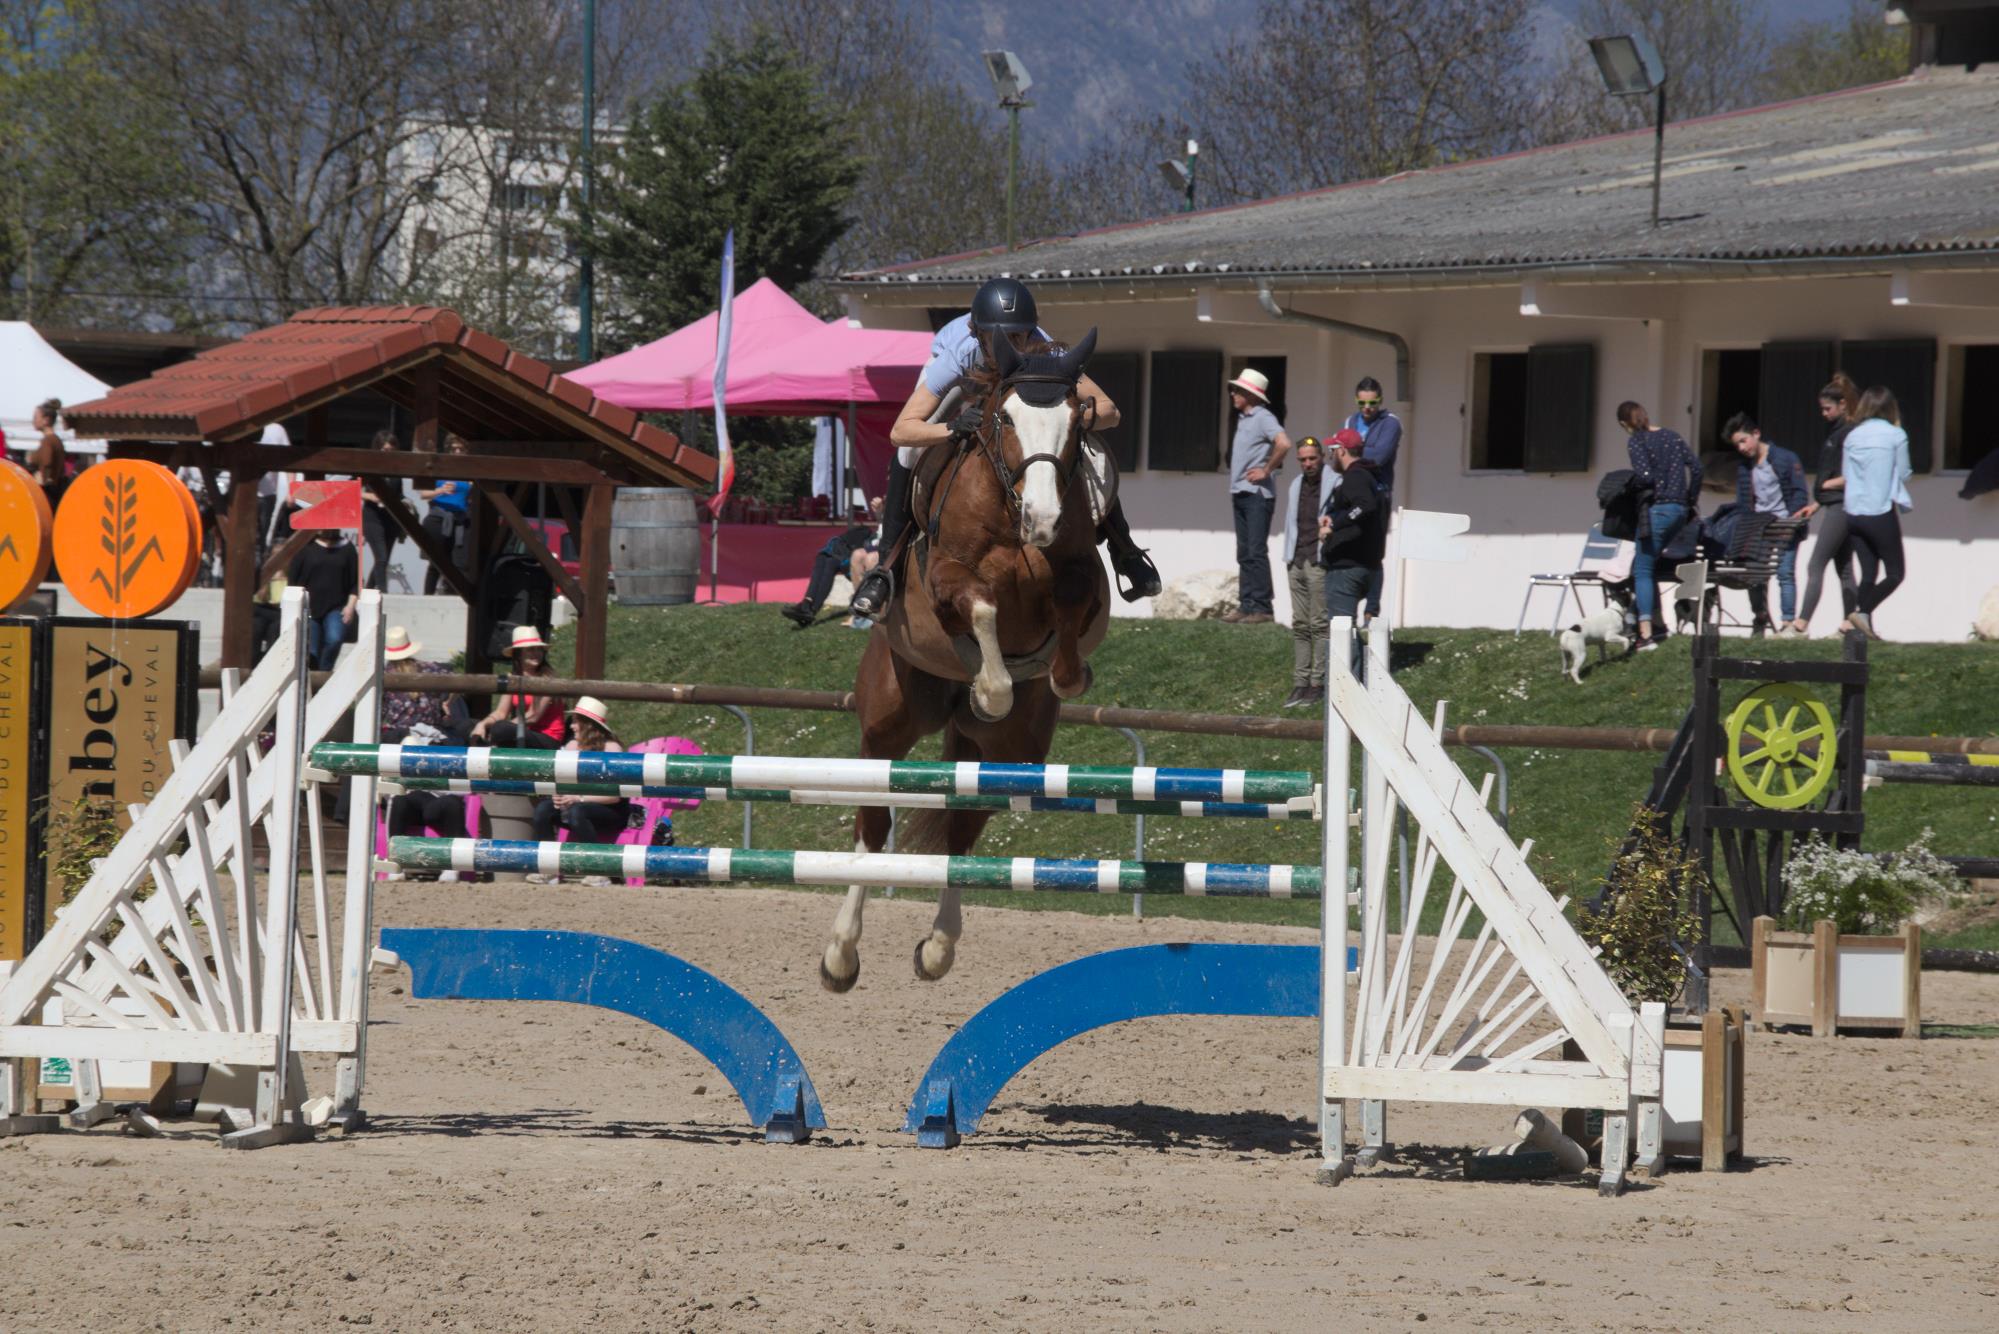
x,y
1003,308
588,819
835,558
521,719
1353,532
1770,480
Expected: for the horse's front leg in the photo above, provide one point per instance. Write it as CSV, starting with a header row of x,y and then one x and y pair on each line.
x,y
965,606
1074,590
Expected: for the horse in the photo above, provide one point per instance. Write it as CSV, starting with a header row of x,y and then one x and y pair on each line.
x,y
1004,599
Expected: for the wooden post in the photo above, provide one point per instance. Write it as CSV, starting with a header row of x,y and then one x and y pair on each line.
x,y
1700,797
1852,735
1759,964
593,551
479,526
1912,981
239,573
1825,978
1714,1091
1736,1079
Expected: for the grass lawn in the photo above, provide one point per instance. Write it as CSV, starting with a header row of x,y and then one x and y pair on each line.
x,y
1572,803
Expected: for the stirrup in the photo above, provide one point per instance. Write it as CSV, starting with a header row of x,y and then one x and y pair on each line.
x,y
872,607
1147,585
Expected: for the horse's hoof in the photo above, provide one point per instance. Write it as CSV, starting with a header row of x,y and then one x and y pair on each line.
x,y
924,974
837,985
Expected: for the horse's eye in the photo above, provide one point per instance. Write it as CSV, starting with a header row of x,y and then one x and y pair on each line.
x,y
1004,419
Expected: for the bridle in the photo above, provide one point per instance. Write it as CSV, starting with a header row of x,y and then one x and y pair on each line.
x,y
994,420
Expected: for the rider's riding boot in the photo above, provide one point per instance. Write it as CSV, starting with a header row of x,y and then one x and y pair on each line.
x,y
1138,577
877,588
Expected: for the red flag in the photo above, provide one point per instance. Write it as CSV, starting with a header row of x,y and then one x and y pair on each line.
x,y
327,505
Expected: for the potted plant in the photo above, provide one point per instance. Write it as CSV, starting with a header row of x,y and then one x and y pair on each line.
x,y
1845,953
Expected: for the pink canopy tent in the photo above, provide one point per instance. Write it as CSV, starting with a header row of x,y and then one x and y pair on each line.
x,y
783,362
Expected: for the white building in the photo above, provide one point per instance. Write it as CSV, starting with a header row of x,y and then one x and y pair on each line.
x,y
1508,305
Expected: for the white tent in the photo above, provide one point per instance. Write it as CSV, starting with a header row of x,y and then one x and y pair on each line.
x,y
32,372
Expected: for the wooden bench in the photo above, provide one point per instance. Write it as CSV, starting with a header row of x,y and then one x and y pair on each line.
x,y
1749,564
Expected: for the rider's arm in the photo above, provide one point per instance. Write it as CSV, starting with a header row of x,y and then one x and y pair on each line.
x,y
1107,413
1278,449
912,430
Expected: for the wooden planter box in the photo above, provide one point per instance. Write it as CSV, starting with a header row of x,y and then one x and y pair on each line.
x,y
1703,1093
1827,981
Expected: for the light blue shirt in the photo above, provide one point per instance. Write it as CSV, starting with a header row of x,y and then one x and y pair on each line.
x,y
954,352
1876,464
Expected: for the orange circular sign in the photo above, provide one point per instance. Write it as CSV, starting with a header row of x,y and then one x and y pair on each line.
x,y
127,538
24,535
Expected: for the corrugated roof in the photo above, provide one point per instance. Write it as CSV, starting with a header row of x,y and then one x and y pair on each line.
x,y
1909,168
486,390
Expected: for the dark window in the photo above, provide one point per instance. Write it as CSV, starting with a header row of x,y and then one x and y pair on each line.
x,y
1787,400
1499,411
1972,429
1729,384
1561,406
1117,373
1907,366
1273,369
1184,412
939,316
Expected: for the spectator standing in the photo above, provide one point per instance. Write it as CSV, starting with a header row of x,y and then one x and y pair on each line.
x,y
521,719
1838,402
1876,459
1381,433
588,819
1353,531
1770,480
1665,462
1255,456
1307,496
48,462
377,528
838,555
447,520
329,570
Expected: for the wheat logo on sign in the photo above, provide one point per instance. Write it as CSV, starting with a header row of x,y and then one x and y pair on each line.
x,y
127,538
121,534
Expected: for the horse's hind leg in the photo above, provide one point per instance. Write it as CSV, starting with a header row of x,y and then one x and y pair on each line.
x,y
892,714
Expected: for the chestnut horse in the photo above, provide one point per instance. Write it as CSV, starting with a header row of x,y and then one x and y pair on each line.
x,y
1004,597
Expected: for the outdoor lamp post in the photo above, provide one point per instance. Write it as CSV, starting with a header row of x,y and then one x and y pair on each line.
x,y
1011,81
586,281
1179,176
1632,68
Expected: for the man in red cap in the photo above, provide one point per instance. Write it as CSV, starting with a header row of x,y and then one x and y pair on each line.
x,y
1353,531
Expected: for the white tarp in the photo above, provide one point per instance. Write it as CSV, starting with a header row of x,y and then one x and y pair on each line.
x,y
32,372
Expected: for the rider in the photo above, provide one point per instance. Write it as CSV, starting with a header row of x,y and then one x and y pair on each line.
x,y
1003,307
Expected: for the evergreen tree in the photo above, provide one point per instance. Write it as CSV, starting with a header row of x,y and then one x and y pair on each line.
x,y
747,143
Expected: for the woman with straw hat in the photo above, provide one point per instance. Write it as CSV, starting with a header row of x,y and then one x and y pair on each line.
x,y
521,719
588,819
412,717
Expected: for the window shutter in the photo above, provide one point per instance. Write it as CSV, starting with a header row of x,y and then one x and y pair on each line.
x,y
1184,417
1787,400
1909,367
1561,406
1116,373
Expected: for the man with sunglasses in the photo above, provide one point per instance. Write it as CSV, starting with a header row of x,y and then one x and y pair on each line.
x,y
1002,308
1381,435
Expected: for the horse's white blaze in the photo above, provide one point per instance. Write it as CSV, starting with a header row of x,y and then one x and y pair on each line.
x,y
1041,431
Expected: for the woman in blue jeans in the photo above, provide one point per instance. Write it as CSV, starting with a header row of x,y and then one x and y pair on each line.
x,y
1665,461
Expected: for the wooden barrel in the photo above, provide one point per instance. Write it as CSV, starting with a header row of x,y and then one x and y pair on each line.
x,y
655,546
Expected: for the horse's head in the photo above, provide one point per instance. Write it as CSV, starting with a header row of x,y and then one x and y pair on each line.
x,y
1040,429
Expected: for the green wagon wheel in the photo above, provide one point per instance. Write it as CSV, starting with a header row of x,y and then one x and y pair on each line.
x,y
1782,746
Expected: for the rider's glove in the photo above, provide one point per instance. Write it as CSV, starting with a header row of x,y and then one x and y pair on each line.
x,y
968,422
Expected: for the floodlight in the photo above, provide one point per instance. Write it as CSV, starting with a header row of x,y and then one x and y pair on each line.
x,y
1010,78
1630,65
1175,174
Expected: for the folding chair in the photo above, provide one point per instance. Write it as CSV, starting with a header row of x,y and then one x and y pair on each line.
x,y
1598,552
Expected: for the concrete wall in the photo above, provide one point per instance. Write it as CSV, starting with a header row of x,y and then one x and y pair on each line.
x,y
1649,340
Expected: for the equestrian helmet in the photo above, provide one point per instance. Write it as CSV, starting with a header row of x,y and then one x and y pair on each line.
x,y
1006,305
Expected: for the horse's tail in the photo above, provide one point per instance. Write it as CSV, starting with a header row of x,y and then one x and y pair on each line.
x,y
923,829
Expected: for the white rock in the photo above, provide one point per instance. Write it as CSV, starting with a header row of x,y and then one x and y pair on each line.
x,y
1987,624
1197,597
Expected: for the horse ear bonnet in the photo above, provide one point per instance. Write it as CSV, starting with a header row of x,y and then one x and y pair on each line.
x,y
1044,379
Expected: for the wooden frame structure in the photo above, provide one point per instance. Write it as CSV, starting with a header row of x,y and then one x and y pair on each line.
x,y
212,966
1704,1088
524,425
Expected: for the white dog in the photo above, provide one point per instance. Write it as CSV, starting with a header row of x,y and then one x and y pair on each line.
x,y
1605,630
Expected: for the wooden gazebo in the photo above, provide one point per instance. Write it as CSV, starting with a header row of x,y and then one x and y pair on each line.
x,y
524,425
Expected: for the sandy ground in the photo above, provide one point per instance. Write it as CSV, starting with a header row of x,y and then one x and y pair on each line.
x,y
558,1167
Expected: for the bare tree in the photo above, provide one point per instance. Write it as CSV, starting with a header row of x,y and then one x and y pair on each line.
x,y
1716,54
1858,48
